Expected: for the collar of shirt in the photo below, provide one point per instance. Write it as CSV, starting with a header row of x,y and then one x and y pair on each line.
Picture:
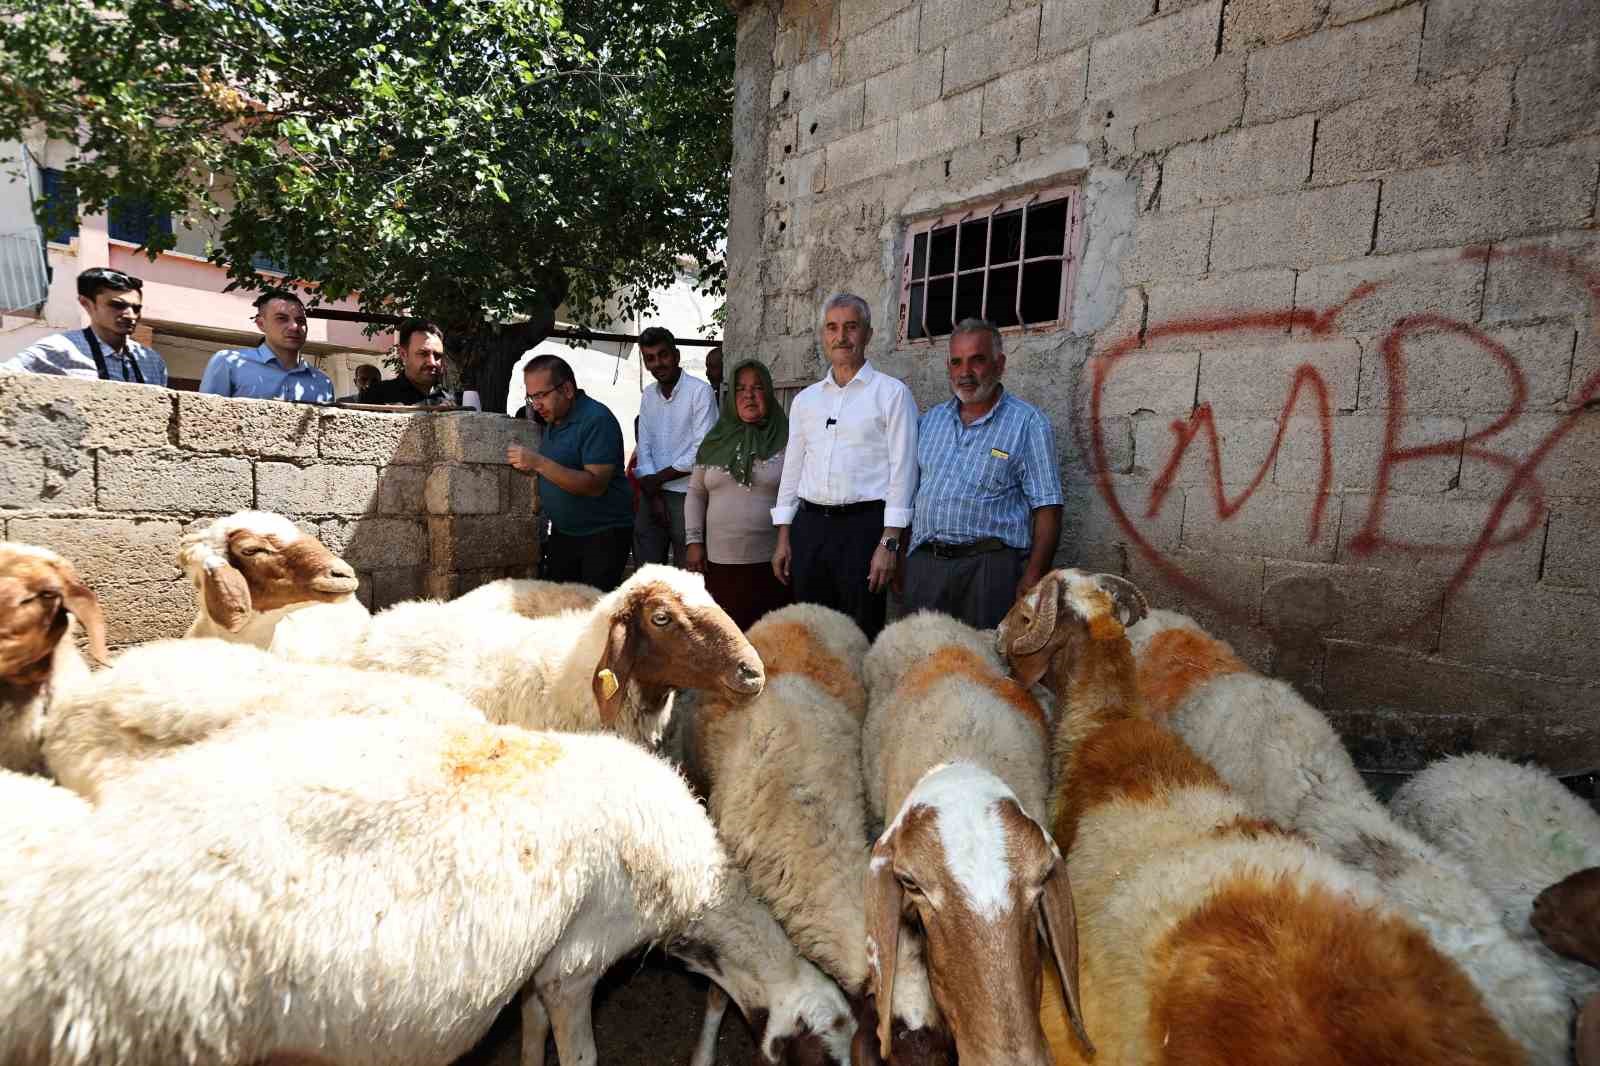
x,y
953,405
864,375
263,354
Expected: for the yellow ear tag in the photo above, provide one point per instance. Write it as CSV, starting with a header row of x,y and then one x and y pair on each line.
x,y
608,683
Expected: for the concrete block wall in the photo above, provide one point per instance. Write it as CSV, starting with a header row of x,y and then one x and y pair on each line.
x,y
113,475
1332,377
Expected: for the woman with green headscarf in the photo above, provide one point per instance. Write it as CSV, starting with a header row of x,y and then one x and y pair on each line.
x,y
727,513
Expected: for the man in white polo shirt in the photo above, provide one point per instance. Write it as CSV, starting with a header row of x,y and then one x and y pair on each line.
x,y
849,475
675,413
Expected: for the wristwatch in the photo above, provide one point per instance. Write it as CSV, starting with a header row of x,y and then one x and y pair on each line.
x,y
892,543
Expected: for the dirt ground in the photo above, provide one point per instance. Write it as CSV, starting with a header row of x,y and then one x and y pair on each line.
x,y
645,1011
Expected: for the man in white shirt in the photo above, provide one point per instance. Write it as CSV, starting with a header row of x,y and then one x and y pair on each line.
x,y
675,414
849,475
105,349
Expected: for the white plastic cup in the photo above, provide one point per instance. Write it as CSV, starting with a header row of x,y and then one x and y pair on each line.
x,y
469,398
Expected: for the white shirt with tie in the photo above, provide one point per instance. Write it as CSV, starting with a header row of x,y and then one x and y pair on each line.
x,y
851,444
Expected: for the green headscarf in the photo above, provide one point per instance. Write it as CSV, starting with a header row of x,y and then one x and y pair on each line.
x,y
735,445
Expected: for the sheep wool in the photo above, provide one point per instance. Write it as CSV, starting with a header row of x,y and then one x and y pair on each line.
x,y
530,598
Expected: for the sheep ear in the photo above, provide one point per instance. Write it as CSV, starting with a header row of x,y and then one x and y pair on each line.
x,y
610,683
81,601
1130,602
1047,594
1059,920
227,594
883,935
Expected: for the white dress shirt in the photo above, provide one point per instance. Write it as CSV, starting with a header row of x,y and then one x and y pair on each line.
x,y
672,427
851,444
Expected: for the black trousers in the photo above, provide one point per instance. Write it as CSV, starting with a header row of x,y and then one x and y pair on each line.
x,y
829,561
597,559
978,589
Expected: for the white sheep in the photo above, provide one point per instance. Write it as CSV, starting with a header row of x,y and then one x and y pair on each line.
x,y
1283,760
530,598
259,579
612,667
956,752
362,890
41,596
782,777
34,814
1517,830
168,694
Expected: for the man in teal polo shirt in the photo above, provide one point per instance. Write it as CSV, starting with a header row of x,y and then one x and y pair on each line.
x,y
582,487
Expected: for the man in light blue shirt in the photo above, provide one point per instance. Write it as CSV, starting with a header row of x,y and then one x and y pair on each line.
x,y
114,301
273,370
988,508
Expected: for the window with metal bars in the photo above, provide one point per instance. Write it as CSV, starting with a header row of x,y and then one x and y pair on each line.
x,y
1010,262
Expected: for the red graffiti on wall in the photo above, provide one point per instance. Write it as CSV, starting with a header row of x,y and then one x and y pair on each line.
x,y
1521,473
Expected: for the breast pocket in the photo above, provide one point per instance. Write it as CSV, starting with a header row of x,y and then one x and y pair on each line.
x,y
995,476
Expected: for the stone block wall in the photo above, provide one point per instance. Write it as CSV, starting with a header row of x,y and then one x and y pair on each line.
x,y
113,475
1332,377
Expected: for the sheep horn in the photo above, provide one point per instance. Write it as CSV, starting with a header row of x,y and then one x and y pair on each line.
x,y
1131,603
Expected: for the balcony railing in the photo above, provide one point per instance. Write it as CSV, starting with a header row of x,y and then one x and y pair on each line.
x,y
23,282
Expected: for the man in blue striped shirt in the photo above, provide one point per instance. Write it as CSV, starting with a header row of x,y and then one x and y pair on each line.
x,y
988,508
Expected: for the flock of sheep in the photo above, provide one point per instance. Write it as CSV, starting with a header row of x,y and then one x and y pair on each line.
x,y
305,834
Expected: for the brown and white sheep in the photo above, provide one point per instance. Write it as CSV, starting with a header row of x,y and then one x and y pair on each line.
x,y
261,580
1209,936
40,596
529,597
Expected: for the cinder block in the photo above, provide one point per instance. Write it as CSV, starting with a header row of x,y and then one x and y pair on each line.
x,y
1153,52
1272,522
1353,603
1585,381
939,127
400,489
322,489
1544,277
1445,283
1151,381
1333,67
1001,47
1301,229
894,92
1253,23
1454,373
1194,313
480,438
883,47
122,550
1212,582
1558,93
1343,11
173,481
810,80
1433,534
1470,35
1398,130
1089,524
392,586
1242,164
862,15
107,414
1244,445
522,495
1527,628
377,438
152,610
1572,549
1357,453
1570,468
46,479
377,543
267,428
1485,199
474,542
1069,24
832,117
1168,245
1256,379
1036,94
464,489
1193,105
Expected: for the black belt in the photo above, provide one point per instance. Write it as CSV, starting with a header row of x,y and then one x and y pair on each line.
x,y
840,510
961,551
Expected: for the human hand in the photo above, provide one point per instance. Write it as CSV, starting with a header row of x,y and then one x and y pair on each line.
x,y
781,556
694,558
882,568
658,511
524,459
1030,578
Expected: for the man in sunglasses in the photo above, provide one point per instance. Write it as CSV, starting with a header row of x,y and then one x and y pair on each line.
x,y
105,349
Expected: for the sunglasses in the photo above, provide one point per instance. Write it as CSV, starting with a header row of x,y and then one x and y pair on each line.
x,y
115,278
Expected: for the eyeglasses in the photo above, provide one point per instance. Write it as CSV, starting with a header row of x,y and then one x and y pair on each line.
x,y
115,278
538,397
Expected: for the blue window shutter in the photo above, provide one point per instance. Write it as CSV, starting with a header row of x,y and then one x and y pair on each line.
x,y
58,191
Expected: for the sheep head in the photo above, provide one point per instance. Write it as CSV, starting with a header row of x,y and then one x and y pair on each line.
x,y
1059,615
986,882
1567,916
665,631
38,591
256,561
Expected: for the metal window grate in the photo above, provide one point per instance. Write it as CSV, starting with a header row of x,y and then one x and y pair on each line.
x,y
23,282
1011,263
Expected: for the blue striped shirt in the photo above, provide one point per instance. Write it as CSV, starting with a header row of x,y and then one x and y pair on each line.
x,y
986,479
68,354
255,373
